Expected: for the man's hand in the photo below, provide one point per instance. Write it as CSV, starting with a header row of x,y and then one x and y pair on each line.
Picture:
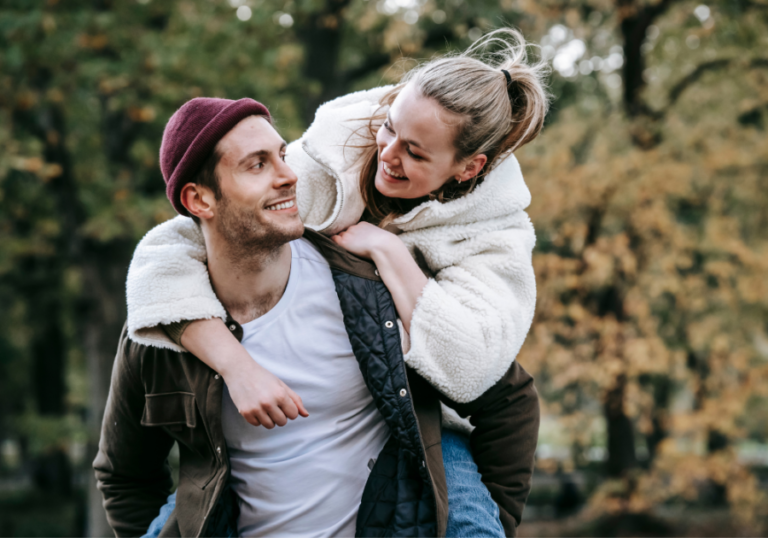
x,y
260,397
366,240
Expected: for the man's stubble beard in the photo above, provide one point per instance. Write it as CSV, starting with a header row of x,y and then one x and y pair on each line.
x,y
247,238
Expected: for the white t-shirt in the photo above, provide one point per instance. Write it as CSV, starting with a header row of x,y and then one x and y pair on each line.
x,y
306,478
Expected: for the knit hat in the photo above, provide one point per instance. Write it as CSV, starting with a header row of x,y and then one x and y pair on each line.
x,y
192,133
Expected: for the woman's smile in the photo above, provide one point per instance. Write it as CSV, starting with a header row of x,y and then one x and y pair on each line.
x,y
391,175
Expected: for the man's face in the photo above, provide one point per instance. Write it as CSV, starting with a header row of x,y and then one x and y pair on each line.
x,y
258,204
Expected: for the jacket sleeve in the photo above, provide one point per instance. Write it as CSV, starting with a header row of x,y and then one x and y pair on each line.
x,y
132,470
472,318
168,282
506,421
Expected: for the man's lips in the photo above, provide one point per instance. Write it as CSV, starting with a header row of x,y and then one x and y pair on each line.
x,y
283,205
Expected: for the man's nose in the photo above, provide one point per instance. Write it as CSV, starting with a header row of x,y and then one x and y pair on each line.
x,y
286,177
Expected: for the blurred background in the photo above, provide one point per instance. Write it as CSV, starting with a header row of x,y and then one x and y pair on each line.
x,y
650,200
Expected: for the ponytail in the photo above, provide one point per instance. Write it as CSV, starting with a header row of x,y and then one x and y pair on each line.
x,y
500,97
501,112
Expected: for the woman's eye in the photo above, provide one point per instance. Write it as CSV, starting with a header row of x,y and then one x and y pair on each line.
x,y
412,154
388,127
283,157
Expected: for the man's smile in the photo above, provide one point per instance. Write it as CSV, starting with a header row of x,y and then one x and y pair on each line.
x,y
279,206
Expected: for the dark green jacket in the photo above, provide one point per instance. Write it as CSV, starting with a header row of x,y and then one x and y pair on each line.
x,y
160,396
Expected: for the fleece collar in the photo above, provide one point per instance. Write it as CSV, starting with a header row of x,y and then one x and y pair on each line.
x,y
330,141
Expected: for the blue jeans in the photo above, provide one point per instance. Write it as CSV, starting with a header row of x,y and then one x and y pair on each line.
x,y
471,511
165,512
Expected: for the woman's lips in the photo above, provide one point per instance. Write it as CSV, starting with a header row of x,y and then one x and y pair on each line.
x,y
388,176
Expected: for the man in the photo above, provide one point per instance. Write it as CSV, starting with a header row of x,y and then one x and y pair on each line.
x,y
368,461
310,477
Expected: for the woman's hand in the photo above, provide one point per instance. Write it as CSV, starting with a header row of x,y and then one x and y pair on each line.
x,y
397,268
366,240
261,398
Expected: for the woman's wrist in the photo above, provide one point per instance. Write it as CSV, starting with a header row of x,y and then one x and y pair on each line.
x,y
388,250
213,343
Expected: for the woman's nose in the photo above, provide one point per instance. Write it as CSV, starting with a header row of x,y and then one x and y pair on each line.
x,y
389,153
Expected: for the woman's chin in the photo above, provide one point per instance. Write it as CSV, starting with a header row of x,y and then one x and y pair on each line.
x,y
386,188
399,189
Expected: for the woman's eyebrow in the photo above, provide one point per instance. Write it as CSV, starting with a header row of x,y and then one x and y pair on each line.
x,y
411,142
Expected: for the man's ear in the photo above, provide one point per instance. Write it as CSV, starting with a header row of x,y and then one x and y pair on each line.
x,y
198,200
473,167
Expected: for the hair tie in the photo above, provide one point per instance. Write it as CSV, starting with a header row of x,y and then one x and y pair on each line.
x,y
506,76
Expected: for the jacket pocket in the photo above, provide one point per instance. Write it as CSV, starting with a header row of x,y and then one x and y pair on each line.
x,y
176,412
173,410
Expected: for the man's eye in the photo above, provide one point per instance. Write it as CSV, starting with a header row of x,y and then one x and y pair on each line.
x,y
258,166
283,157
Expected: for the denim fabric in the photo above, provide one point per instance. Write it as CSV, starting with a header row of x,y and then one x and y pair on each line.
x,y
223,522
165,511
471,510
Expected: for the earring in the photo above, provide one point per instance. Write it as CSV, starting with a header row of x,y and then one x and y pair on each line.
x,y
458,178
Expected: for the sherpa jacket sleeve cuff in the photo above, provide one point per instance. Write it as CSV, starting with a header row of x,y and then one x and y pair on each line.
x,y
168,282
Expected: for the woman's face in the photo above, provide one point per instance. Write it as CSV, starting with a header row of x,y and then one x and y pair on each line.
x,y
415,148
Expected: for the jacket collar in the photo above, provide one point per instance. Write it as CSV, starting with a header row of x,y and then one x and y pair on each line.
x,y
337,257
330,141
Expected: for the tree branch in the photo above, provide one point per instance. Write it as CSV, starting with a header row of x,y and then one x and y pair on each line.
x,y
721,63
694,76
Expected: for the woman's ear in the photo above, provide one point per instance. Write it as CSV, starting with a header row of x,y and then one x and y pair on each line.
x,y
198,200
473,167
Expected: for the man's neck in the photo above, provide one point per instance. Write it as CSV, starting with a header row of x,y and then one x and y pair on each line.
x,y
248,284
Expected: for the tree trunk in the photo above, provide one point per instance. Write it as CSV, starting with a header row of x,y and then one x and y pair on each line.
x,y
635,21
662,388
621,436
49,347
104,272
320,33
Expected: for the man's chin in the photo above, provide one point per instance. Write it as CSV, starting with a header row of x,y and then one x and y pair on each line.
x,y
246,232
284,230
295,230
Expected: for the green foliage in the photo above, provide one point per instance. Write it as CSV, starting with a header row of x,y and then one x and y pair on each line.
x,y
648,198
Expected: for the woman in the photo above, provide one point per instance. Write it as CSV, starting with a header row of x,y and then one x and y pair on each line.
x,y
420,178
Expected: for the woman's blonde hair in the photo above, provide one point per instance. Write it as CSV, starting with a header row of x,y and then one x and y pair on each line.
x,y
497,116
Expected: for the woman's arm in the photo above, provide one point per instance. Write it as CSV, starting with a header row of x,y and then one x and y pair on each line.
x,y
261,398
168,282
397,269
467,324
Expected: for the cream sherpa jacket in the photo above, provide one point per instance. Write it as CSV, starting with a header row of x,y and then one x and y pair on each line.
x,y
471,318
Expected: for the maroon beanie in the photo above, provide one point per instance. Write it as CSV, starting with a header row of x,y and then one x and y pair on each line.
x,y
192,133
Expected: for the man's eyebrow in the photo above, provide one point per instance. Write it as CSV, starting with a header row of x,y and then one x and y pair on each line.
x,y
411,142
260,153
